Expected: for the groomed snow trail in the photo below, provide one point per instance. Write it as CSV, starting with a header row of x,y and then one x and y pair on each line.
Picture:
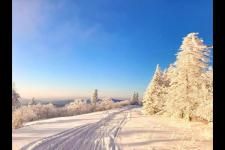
x,y
94,136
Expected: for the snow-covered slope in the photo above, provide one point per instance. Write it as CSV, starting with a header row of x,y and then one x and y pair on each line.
x,y
38,130
122,128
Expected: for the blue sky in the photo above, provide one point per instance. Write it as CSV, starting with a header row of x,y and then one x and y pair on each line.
x,y
67,48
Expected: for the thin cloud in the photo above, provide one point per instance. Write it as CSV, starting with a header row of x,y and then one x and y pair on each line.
x,y
54,26
27,16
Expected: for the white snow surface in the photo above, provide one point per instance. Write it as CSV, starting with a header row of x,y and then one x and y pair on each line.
x,y
45,134
122,128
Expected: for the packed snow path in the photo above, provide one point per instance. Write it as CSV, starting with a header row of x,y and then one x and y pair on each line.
x,y
94,136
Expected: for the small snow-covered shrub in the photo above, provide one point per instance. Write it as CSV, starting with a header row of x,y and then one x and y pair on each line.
x,y
105,105
76,109
124,103
16,119
32,113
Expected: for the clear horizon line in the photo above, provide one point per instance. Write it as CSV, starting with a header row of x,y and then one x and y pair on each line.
x,y
69,98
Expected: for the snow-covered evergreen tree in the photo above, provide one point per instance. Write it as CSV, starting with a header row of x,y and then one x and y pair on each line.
x,y
166,79
153,93
169,75
137,96
137,99
95,97
191,63
32,102
15,98
206,88
134,98
205,108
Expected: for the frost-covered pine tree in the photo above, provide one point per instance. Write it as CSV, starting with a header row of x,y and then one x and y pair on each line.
x,y
137,98
191,63
15,98
95,97
153,93
166,79
169,75
133,98
205,109
206,89
32,102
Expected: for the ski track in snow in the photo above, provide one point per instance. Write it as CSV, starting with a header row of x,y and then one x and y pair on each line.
x,y
94,136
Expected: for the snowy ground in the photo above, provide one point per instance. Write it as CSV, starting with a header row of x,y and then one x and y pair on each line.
x,y
95,130
114,129
161,133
